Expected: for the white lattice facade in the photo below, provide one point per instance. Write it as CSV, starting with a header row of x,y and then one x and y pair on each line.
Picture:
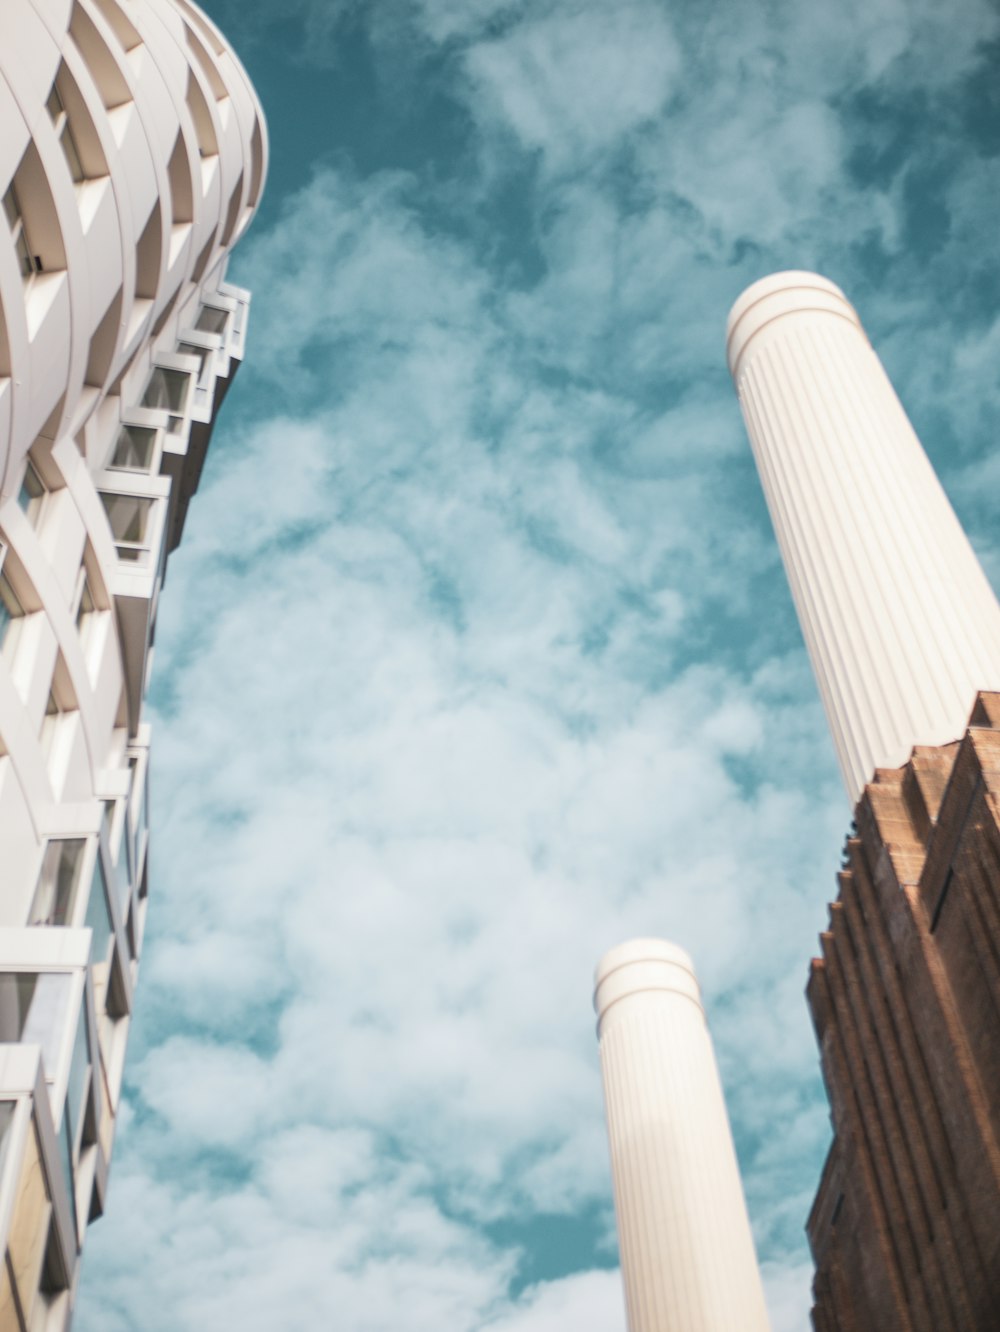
x,y
132,156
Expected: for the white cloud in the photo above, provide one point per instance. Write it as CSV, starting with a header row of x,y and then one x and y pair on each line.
x,y
789,1297
414,780
579,80
268,1254
589,1301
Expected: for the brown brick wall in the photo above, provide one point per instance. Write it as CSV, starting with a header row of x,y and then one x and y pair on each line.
x,y
905,1229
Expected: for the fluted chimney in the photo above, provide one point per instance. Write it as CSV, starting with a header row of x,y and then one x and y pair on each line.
x,y
900,622
687,1253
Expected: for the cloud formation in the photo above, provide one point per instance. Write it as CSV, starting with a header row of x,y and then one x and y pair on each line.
x,y
477,658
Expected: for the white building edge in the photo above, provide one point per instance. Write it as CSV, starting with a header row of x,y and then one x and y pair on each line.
x,y
132,156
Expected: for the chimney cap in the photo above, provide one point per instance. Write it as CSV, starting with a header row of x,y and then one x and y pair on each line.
x,y
780,294
643,965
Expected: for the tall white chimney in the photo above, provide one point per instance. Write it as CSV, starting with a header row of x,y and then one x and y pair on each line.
x,y
900,622
687,1253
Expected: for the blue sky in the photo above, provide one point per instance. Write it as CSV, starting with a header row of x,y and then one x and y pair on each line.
x,y
478,657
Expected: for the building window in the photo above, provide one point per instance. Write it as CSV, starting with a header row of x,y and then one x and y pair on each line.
x,y
134,449
64,133
29,263
99,919
32,492
167,390
73,1118
78,1070
7,1109
202,353
11,611
129,519
102,950
58,882
211,320
33,1009
66,1144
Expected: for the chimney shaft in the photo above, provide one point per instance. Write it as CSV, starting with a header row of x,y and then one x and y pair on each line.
x,y
687,1254
900,622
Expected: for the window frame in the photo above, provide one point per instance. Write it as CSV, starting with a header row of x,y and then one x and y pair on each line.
x,y
28,262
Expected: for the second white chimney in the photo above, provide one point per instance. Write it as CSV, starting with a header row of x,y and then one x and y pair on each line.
x,y
687,1252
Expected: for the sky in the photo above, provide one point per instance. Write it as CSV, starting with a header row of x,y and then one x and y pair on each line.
x,y
478,658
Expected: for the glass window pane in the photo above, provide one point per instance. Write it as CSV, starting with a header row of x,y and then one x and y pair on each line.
x,y
99,918
142,824
128,515
211,320
32,491
7,1109
27,262
123,884
167,389
33,1009
16,223
78,1077
106,1118
45,1020
67,1163
57,882
134,448
16,993
10,608
11,209
202,354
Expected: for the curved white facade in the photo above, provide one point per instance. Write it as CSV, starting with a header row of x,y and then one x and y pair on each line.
x,y
132,156
900,622
687,1253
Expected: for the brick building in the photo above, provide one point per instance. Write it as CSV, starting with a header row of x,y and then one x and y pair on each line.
x,y
905,1228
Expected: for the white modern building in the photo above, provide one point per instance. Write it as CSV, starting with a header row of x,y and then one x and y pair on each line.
x,y
687,1253
132,156
900,622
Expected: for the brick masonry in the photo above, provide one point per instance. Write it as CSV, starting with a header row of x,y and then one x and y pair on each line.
x,y
905,999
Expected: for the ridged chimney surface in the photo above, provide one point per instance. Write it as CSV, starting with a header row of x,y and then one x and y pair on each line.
x,y
687,1254
900,622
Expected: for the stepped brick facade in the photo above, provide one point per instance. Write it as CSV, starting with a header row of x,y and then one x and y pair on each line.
x,y
905,998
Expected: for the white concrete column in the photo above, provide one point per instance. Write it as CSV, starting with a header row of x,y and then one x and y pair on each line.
x,y
687,1254
900,622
